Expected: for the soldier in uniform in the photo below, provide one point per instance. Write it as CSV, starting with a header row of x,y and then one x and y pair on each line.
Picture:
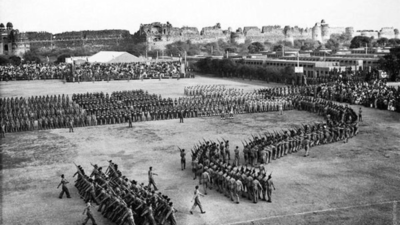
x,y
239,188
236,160
89,215
151,179
130,121
256,189
205,177
183,159
306,144
181,116
71,125
196,199
64,183
269,185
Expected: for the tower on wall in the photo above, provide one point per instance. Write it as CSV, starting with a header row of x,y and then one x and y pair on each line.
x,y
317,33
325,34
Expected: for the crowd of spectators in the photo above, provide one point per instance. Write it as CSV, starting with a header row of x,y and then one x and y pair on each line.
x,y
34,71
125,71
92,71
375,93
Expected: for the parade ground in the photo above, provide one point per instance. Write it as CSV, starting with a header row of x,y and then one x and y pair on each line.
x,y
341,183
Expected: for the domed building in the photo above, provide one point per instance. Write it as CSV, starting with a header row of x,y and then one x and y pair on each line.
x,y
11,41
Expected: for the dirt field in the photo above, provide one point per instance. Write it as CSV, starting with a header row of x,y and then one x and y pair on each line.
x,y
353,183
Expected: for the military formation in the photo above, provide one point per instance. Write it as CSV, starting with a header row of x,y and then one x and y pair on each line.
x,y
92,109
38,112
211,161
121,200
211,165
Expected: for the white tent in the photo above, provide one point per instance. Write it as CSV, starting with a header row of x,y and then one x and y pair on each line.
x,y
113,57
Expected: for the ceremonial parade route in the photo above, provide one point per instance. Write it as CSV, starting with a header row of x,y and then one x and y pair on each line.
x,y
341,183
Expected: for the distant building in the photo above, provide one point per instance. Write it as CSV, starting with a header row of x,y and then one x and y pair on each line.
x,y
11,41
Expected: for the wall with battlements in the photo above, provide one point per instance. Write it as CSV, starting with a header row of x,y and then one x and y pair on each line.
x,y
158,35
321,31
76,39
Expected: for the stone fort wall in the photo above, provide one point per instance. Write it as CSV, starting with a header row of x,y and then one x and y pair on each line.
x,y
158,35
321,31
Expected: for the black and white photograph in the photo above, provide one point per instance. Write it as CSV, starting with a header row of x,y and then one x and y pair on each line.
x,y
199,112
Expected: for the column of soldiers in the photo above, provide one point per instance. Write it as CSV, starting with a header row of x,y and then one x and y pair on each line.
x,y
132,106
201,89
123,201
280,91
211,161
39,112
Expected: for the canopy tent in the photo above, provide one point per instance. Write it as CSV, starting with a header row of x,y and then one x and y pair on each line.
x,y
113,57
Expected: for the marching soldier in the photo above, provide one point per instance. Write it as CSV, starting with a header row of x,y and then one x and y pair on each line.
x,y
205,177
269,185
64,183
89,215
256,189
151,179
239,188
196,199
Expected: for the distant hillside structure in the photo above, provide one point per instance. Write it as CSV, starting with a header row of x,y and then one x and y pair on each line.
x,y
11,41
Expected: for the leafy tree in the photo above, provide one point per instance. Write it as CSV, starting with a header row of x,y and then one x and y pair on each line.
x,y
310,44
391,63
4,60
30,56
138,49
231,49
360,41
298,43
382,41
332,44
393,42
61,58
256,47
15,60
227,66
277,48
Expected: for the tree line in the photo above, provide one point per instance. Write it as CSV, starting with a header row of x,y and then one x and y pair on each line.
x,y
229,68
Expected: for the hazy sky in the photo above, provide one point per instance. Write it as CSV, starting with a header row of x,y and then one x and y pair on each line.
x,y
72,15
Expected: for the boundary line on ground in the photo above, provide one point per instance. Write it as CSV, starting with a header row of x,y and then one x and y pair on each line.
x,y
316,211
